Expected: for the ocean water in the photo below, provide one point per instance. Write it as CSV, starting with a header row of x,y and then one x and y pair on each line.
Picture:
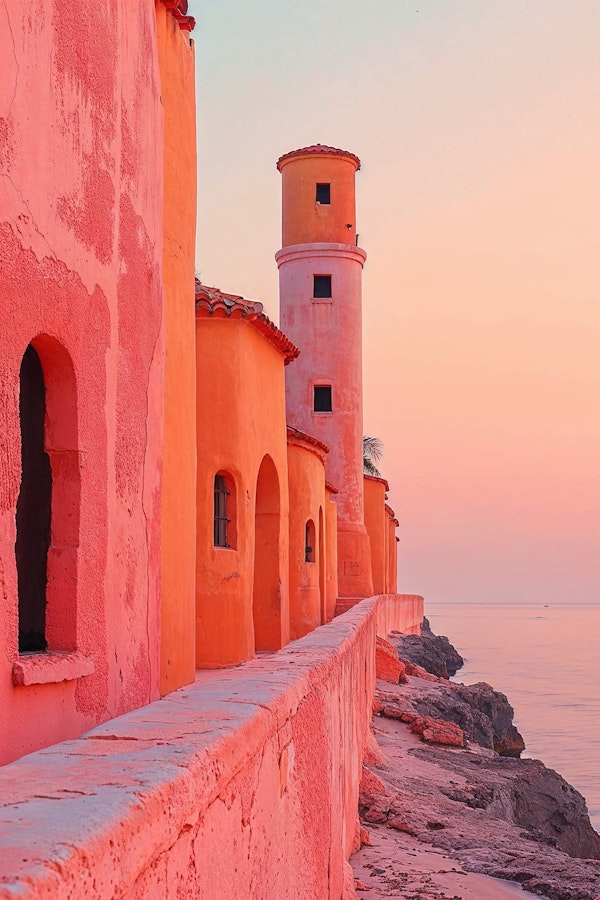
x,y
546,659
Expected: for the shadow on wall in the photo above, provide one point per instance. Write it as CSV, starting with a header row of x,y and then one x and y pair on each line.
x,y
266,603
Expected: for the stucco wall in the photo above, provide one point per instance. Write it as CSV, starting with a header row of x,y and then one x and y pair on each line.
x,y
376,522
331,575
399,612
178,550
306,474
241,423
80,274
244,784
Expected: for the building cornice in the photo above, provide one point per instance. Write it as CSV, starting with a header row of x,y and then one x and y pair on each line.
x,y
318,150
179,10
377,478
320,251
307,442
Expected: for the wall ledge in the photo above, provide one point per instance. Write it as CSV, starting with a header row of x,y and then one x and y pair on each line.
x,y
250,773
50,668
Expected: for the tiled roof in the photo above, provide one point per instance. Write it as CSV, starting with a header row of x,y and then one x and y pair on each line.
x,y
330,487
319,148
307,438
211,301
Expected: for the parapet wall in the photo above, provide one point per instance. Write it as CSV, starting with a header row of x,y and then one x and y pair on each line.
x,y
244,784
399,612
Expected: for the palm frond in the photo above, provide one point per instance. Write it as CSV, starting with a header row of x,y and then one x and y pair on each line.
x,y
372,453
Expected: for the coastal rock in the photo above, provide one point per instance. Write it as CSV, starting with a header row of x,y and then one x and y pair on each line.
x,y
433,652
436,731
387,664
418,671
503,817
485,715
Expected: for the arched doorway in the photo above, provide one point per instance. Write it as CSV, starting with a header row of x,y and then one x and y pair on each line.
x,y
266,599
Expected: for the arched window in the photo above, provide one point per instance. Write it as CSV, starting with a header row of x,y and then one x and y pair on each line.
x,y
224,511
48,506
309,542
33,507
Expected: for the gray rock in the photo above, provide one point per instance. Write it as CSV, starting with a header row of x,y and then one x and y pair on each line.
x,y
433,652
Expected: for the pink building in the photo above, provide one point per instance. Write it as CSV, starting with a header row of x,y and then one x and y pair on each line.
x,y
320,279
81,367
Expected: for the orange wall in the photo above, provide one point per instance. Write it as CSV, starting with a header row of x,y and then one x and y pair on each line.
x,y
331,559
307,499
304,220
376,521
178,542
240,421
392,556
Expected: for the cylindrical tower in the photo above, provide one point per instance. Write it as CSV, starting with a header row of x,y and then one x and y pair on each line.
x,y
320,276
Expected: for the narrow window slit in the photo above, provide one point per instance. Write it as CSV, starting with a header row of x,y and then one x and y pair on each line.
x,y
33,507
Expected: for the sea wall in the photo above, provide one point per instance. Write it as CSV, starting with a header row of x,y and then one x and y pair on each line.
x,y
244,784
399,612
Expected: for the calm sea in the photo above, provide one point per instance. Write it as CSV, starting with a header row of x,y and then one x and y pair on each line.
x,y
546,659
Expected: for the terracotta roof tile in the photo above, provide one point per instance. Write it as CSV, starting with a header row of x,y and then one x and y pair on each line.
x,y
307,438
210,301
319,148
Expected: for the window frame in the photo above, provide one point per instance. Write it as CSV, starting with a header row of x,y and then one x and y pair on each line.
x,y
326,283
322,185
320,388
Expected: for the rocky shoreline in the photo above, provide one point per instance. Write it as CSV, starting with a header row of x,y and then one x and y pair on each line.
x,y
444,794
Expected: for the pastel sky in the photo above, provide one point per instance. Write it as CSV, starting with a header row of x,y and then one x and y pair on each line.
x,y
478,127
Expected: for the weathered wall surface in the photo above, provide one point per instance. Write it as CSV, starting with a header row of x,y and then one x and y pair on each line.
x,y
241,431
244,784
80,277
399,612
178,550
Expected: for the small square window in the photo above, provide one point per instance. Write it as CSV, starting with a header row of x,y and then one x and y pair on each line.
x,y
322,402
321,285
324,194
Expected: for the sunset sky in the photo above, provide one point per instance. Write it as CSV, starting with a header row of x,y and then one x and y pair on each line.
x,y
478,127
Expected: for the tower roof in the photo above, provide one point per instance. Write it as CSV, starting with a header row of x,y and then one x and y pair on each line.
x,y
316,149
211,301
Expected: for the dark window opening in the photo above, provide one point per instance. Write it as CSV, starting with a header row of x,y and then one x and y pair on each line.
x,y
33,507
322,401
309,542
221,519
324,193
321,285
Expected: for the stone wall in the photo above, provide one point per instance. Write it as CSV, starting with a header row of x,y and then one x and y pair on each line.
x,y
244,784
